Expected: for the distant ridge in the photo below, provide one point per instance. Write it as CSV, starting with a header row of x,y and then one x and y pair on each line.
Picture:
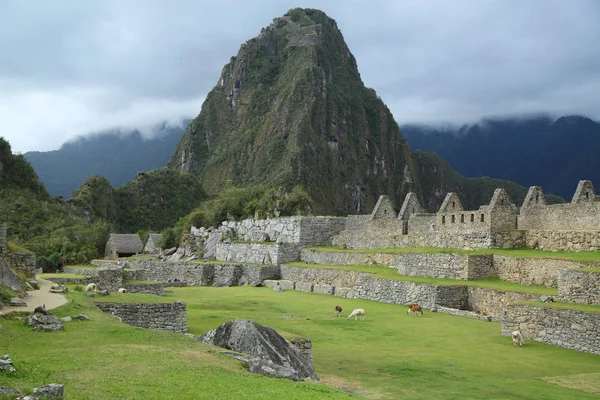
x,y
537,151
114,154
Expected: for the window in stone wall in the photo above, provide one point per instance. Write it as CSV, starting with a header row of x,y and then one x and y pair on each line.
x,y
443,219
453,218
482,217
453,204
462,218
472,217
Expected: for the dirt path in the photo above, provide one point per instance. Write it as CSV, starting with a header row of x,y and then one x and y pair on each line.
x,y
39,297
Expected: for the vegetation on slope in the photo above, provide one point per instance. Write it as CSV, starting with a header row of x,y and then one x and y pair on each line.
x,y
54,231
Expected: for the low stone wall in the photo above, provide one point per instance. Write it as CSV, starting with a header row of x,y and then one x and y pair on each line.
x,y
24,262
531,271
435,265
83,280
555,240
163,316
579,286
195,274
149,288
258,253
493,302
79,271
451,240
571,329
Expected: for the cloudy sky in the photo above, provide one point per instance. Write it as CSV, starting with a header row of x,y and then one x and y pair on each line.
x,y
70,67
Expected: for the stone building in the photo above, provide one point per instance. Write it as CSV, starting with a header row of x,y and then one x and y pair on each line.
x,y
123,245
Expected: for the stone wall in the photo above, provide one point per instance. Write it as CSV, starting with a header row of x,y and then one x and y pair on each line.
x,y
571,329
421,223
554,240
24,262
579,286
3,241
531,271
258,253
308,231
206,274
110,278
79,271
148,288
164,316
493,302
382,238
566,216
8,278
435,265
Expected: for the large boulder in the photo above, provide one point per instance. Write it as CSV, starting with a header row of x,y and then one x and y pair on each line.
x,y
270,353
51,391
44,323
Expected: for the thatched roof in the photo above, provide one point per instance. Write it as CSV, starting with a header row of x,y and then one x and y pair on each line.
x,y
125,243
154,237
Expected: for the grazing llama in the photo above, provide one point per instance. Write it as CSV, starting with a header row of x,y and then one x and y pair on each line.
x,y
92,287
338,310
122,290
358,313
517,338
414,309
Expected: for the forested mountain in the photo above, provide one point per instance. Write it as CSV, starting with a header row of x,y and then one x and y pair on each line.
x,y
542,151
115,154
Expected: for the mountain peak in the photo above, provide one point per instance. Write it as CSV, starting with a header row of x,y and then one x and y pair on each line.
x,y
290,108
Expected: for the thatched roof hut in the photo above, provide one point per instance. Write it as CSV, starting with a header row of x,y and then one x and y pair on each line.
x,y
151,245
123,245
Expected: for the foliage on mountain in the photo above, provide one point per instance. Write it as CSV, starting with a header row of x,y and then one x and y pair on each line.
x,y
291,109
97,196
115,154
435,173
536,151
53,230
157,199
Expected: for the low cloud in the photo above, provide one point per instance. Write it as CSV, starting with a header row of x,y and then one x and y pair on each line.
x,y
77,67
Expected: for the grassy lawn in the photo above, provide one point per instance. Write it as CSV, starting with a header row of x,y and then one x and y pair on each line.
x,y
583,256
390,355
392,273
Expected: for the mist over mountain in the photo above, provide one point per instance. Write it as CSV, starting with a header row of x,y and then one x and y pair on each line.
x,y
114,154
554,153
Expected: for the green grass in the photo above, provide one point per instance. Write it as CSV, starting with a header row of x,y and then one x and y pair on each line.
x,y
583,256
15,248
392,273
390,355
50,276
